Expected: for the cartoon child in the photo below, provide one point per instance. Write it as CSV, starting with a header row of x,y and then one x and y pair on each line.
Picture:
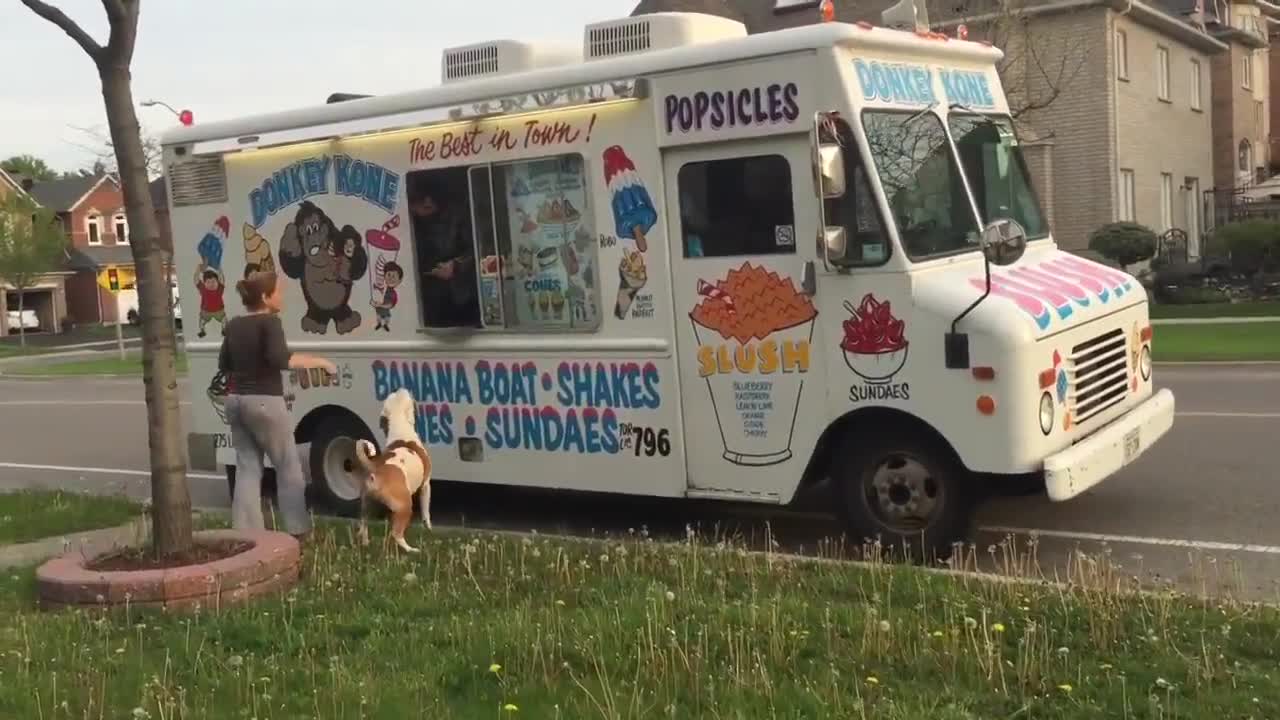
x,y
392,276
210,285
342,260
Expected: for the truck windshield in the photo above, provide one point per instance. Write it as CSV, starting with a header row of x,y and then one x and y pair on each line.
x,y
996,170
922,182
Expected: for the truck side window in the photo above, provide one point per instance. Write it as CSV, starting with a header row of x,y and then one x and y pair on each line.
x,y
856,210
737,206
440,220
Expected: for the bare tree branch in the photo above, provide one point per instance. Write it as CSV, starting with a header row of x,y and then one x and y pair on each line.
x,y
67,25
124,30
115,10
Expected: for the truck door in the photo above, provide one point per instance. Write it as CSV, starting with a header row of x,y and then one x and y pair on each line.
x,y
749,348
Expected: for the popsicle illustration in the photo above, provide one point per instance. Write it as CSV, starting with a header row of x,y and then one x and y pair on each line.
x,y
210,247
633,210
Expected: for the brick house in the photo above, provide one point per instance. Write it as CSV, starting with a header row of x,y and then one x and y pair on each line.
x,y
1126,134
47,297
91,209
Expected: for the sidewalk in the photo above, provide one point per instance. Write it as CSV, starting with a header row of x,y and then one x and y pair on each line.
x,y
1214,321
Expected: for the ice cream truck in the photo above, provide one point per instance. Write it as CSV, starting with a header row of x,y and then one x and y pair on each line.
x,y
708,265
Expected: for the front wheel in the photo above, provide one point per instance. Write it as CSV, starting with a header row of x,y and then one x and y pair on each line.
x,y
335,471
904,491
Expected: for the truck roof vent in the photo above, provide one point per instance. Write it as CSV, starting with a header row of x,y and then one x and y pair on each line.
x,y
198,181
502,57
657,31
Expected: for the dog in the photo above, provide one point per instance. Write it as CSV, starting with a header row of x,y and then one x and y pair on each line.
x,y
396,474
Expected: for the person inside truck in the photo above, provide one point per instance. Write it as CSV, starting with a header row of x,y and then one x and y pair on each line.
x,y
445,254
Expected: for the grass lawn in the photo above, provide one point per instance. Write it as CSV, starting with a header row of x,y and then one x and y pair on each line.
x,y
1239,342
486,627
33,514
40,343
109,364
1216,310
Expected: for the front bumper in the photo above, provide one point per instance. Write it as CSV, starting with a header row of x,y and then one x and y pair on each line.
x,y
1105,452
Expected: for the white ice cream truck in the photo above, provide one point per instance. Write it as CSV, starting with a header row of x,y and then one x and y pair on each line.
x,y
709,265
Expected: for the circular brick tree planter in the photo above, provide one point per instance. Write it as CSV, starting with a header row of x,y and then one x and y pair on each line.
x,y
269,565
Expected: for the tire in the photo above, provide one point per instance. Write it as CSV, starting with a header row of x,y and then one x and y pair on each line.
x,y
333,462
895,486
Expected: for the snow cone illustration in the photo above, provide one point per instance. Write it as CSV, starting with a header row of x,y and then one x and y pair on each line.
x,y
754,331
874,345
210,247
633,212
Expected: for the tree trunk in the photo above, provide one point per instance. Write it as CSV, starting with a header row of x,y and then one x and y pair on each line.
x,y
171,499
22,325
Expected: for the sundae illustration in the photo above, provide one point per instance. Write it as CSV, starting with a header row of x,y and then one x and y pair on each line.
x,y
210,247
632,277
874,345
257,251
527,225
753,331
633,211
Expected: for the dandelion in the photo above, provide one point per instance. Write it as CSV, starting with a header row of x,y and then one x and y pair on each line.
x,y
510,707
495,668
970,623
236,661
873,680
671,596
884,626
1063,651
410,578
140,713
937,633
1106,666
1066,688
998,627
1163,684
604,559
559,603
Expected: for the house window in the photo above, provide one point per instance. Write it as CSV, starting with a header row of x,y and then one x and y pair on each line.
x,y
1126,195
1246,70
1245,159
1192,210
93,227
121,224
737,206
1162,72
529,225
1258,119
1166,201
1195,85
1122,55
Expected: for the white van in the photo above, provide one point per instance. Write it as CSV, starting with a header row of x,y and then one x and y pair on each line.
x,y
707,265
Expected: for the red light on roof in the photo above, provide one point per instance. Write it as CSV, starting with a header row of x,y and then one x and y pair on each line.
x,y
186,117
827,10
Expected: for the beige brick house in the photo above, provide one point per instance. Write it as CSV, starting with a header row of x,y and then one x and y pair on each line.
x,y
1112,98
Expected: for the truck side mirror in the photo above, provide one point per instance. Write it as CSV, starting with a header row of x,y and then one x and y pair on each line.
x,y
831,170
835,241
1003,241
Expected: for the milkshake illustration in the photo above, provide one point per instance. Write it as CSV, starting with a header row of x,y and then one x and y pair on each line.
x,y
384,250
754,331
632,277
633,211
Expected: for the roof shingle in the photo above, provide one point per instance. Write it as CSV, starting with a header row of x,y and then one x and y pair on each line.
x,y
61,195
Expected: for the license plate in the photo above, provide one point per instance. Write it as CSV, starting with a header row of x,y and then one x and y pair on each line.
x,y
1132,444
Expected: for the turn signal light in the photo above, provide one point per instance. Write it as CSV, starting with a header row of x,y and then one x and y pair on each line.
x,y
986,405
984,373
1147,333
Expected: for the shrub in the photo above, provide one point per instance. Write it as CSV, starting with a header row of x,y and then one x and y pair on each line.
x,y
1124,243
1253,245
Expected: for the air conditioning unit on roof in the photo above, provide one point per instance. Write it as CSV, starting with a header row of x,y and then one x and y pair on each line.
x,y
656,31
503,57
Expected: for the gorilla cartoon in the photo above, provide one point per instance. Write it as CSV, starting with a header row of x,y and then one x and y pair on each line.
x,y
311,251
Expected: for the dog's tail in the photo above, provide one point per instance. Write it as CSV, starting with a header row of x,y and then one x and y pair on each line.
x,y
365,455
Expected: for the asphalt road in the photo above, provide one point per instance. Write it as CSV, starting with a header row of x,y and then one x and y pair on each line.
x,y
1199,509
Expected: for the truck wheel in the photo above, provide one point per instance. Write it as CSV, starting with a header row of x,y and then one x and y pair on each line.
x,y
334,468
905,492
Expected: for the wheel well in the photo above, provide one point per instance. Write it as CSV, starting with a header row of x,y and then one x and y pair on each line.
x,y
306,429
853,421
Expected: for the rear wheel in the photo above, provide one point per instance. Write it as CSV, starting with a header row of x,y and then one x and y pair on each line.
x,y
335,471
901,489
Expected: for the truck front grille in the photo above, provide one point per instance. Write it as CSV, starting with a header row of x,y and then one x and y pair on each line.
x,y
1099,370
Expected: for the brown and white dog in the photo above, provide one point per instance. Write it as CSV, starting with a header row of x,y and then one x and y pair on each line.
x,y
398,473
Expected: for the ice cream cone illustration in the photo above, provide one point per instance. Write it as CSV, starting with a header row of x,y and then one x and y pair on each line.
x,y
632,275
210,247
753,331
633,211
257,251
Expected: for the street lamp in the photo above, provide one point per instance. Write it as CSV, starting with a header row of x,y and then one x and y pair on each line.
x,y
185,117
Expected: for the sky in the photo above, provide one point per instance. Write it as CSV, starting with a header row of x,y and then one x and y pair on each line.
x,y
229,58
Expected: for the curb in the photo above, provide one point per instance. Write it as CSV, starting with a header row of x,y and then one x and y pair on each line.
x,y
1217,363
87,543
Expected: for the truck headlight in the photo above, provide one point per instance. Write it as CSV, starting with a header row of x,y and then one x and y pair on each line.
x,y
1046,413
1144,363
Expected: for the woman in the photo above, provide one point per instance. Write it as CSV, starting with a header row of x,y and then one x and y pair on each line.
x,y
254,357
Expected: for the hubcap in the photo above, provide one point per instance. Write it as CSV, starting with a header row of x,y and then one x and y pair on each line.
x,y
340,468
903,494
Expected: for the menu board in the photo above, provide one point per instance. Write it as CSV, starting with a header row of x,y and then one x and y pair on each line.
x,y
553,271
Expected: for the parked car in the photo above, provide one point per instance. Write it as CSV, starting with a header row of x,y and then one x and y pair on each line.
x,y
135,319
28,320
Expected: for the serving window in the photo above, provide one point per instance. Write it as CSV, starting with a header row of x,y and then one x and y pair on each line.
x,y
531,233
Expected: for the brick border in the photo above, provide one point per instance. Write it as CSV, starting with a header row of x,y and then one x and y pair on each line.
x,y
271,565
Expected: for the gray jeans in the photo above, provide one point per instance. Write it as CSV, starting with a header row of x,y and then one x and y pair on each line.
x,y
261,425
